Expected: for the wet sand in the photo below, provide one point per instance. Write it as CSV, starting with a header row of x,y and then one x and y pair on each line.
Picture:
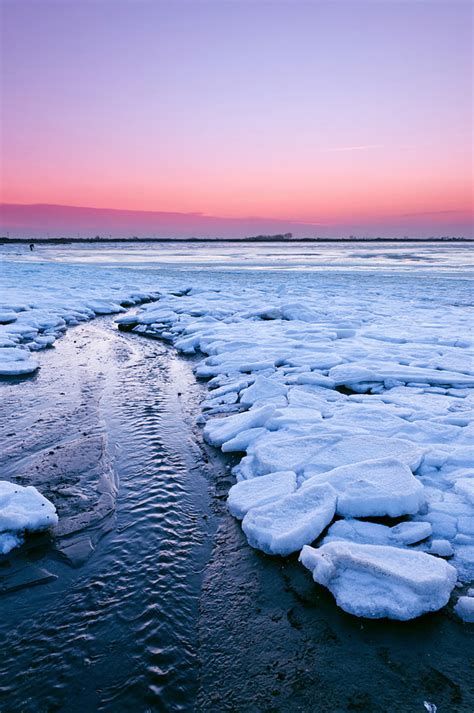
x,y
150,596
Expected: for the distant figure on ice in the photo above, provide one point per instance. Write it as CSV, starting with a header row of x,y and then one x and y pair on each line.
x,y
32,246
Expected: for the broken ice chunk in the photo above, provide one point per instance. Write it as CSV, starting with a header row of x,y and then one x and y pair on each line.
x,y
376,581
8,542
22,510
15,361
218,431
442,548
372,533
373,488
260,491
465,487
262,389
286,525
465,609
407,533
242,440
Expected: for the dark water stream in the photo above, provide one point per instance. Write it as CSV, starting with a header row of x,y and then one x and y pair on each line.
x,y
121,629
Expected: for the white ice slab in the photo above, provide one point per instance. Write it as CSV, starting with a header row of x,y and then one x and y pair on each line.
x,y
23,510
374,533
262,389
465,609
218,431
373,488
7,317
442,548
8,542
465,487
286,525
16,362
376,581
259,491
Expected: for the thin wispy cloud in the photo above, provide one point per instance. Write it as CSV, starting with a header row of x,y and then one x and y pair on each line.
x,y
357,148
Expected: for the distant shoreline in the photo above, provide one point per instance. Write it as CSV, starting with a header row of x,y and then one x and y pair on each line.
x,y
251,240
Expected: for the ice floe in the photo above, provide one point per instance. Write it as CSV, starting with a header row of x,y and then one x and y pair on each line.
x,y
374,533
285,525
260,491
373,488
465,609
28,326
376,581
22,509
226,429
16,362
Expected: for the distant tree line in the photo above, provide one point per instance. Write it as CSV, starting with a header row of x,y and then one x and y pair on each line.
x,y
279,237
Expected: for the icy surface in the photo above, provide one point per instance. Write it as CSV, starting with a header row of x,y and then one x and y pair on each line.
x,y
465,608
339,391
318,360
8,542
22,510
376,581
260,491
16,362
373,488
285,525
362,531
37,305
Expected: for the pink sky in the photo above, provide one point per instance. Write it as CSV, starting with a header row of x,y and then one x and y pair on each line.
x,y
329,118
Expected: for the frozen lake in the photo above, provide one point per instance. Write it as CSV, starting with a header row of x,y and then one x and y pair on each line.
x,y
387,256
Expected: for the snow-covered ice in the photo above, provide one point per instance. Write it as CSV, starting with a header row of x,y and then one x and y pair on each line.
x,y
9,541
35,312
373,488
341,392
374,533
376,581
260,491
22,509
285,525
465,609
219,431
443,548
16,362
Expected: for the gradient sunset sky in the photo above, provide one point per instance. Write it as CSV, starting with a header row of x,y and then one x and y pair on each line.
x,y
344,117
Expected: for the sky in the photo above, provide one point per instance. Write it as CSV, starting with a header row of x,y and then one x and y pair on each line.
x,y
328,117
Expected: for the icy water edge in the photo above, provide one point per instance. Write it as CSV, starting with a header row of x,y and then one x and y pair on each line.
x,y
173,611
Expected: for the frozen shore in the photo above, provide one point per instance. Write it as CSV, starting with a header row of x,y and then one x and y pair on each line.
x,y
360,413
347,398
259,628
123,583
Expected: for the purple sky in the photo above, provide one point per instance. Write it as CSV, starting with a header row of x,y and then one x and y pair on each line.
x,y
355,117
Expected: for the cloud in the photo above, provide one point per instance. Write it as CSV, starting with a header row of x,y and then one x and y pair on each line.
x,y
357,148
464,212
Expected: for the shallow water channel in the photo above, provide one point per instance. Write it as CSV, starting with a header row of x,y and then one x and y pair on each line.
x,y
150,597
122,625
